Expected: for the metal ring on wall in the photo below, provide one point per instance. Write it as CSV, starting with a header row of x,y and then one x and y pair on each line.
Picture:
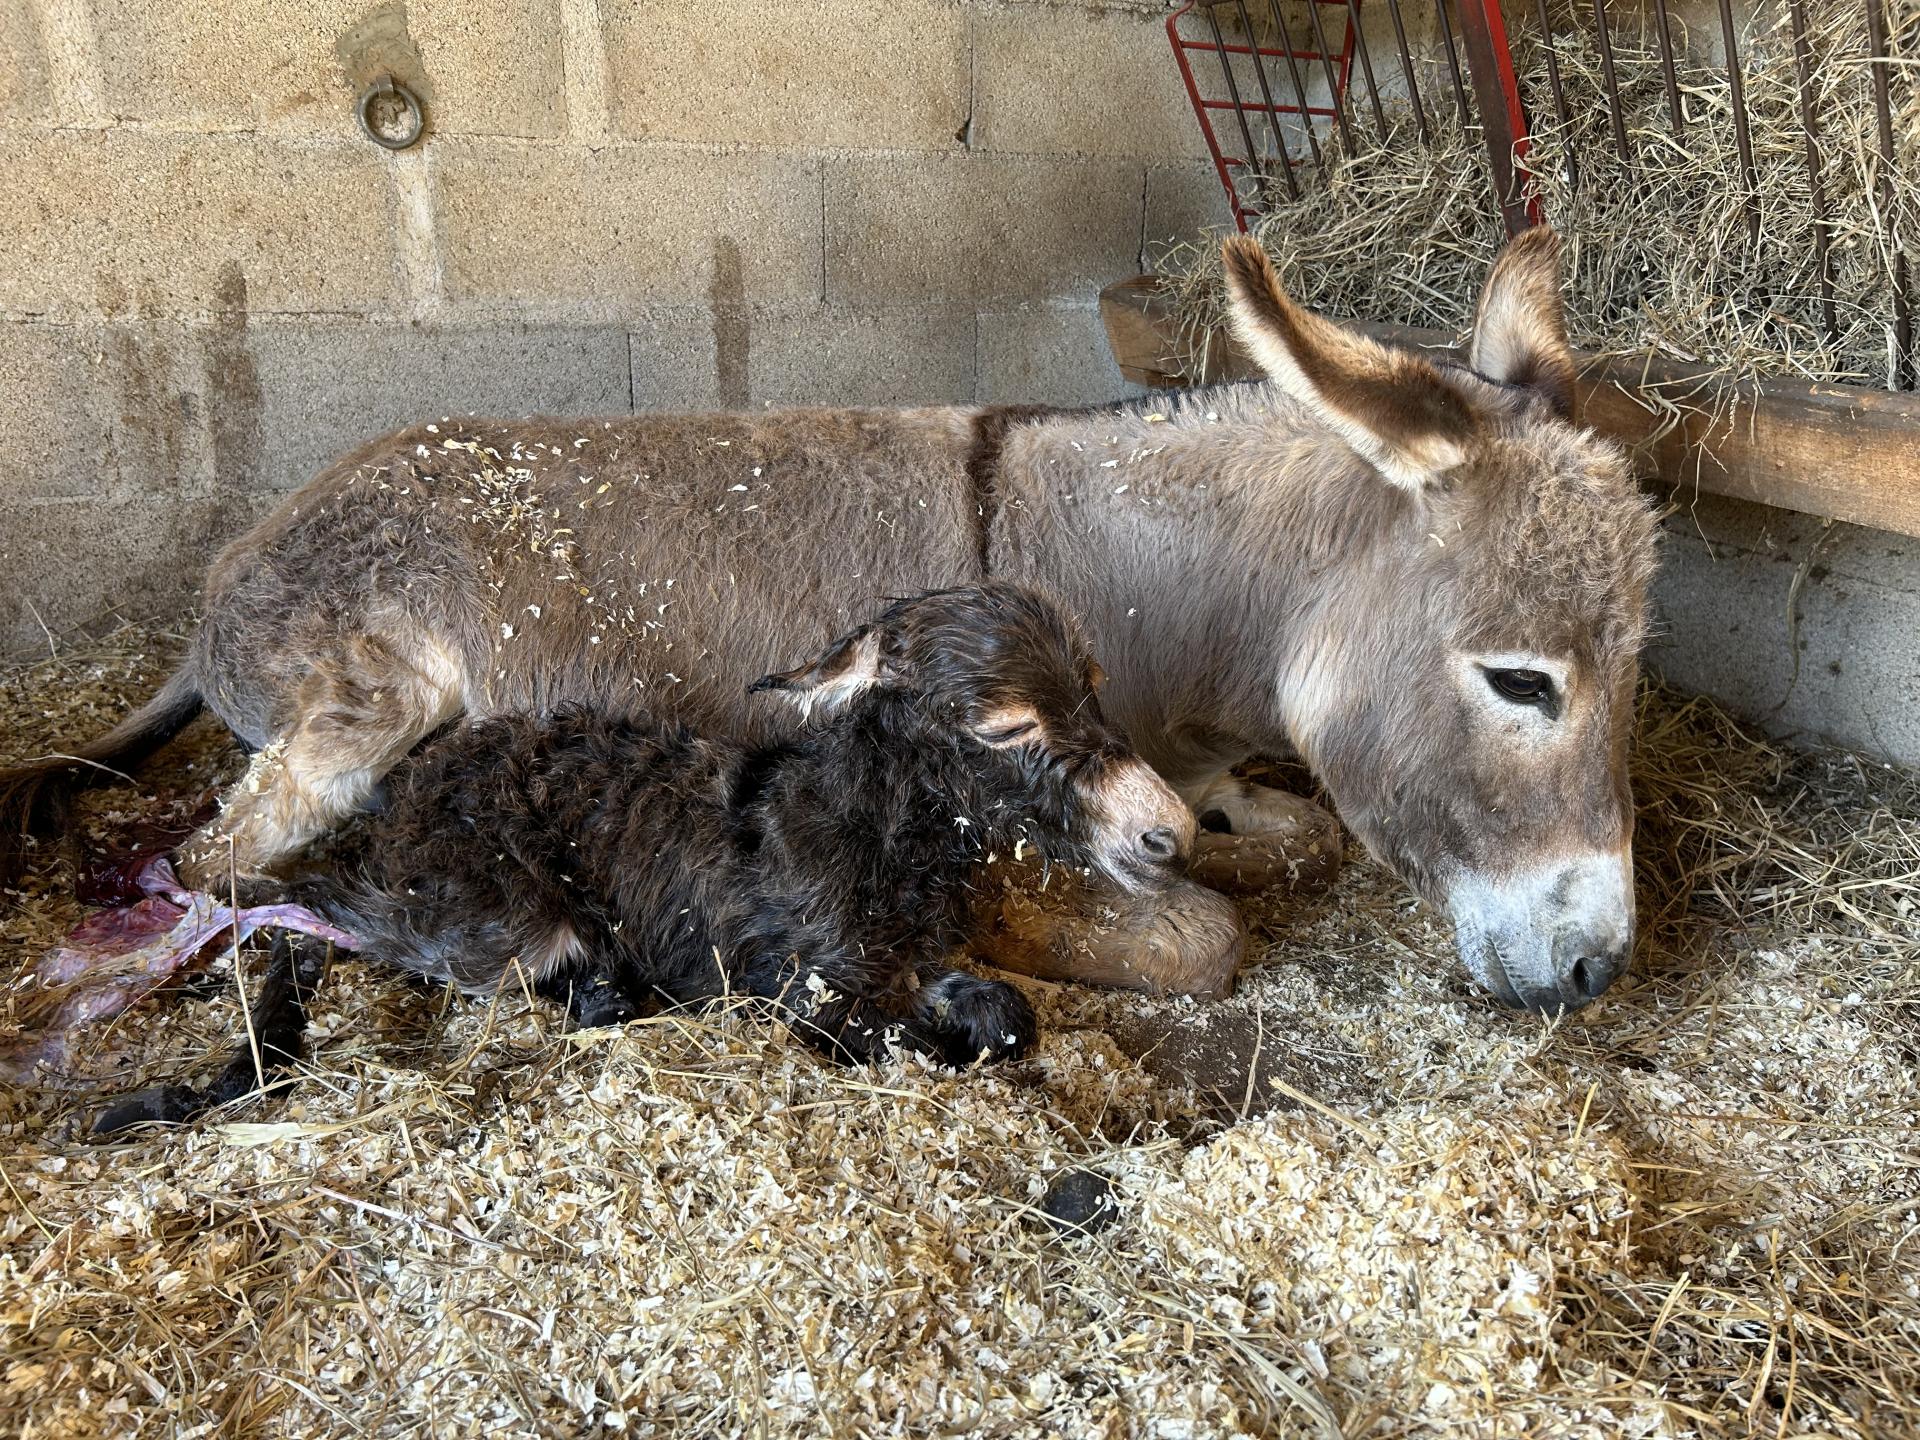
x,y
416,116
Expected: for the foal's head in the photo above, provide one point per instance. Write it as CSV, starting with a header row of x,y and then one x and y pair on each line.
x,y
1000,679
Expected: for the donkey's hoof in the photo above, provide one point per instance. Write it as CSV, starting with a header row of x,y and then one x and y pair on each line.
x,y
1295,850
1187,940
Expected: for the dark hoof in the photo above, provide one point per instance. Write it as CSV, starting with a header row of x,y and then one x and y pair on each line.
x,y
1215,822
971,1018
1080,1202
156,1105
592,1001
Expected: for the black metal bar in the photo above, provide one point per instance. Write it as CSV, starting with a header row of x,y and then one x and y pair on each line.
x,y
1674,107
1326,66
1233,89
1453,61
1803,80
1737,98
1571,150
1266,94
1879,65
1604,38
1406,70
1366,66
1299,89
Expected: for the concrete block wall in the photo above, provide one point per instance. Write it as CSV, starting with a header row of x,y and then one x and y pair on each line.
x,y
211,282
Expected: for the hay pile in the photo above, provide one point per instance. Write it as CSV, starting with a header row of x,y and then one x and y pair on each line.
x,y
1356,1199
1660,252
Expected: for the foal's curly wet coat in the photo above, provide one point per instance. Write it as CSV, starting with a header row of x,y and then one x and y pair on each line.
x,y
624,860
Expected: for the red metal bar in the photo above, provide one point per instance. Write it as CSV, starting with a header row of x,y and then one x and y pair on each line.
x,y
1212,49
1275,109
1336,64
1502,117
1200,111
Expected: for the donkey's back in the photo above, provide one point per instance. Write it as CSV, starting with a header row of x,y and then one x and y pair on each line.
x,y
482,566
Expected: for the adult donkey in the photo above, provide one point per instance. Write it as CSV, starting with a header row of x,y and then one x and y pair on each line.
x,y
1422,576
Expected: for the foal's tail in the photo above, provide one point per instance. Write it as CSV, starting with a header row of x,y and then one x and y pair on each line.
x,y
36,796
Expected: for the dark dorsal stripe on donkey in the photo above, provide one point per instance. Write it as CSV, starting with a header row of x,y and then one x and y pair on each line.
x,y
1424,577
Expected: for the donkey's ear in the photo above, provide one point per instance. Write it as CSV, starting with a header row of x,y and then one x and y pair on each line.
x,y
849,667
1390,405
1520,328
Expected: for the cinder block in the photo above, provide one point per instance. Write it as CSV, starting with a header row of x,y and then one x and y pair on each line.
x,y
975,228
122,222
1048,355
23,62
1183,201
296,67
769,72
327,386
1731,627
69,563
1079,81
113,410
804,355
828,355
626,225
56,422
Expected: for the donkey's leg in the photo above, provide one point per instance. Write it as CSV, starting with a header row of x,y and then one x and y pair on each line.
x,y
1184,940
355,716
278,1019
1255,838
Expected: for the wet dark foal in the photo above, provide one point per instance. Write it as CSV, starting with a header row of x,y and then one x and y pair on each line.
x,y
624,863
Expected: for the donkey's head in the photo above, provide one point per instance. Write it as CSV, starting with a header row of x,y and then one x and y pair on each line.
x,y
1465,690
998,683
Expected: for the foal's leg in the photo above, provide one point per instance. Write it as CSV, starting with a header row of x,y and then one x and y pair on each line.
x,y
278,1018
956,1017
355,716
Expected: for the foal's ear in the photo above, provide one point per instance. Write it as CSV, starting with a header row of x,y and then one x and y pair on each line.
x,y
1520,328
849,667
1391,405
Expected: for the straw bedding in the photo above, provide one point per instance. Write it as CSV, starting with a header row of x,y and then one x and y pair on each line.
x,y
1355,1199
1669,251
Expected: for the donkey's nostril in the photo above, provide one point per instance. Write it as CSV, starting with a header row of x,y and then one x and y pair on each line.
x,y
1590,975
1160,843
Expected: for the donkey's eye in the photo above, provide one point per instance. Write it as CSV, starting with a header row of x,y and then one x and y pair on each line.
x,y
1523,687
1008,735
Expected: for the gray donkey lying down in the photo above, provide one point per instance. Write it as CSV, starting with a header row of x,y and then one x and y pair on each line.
x,y
1422,576
828,873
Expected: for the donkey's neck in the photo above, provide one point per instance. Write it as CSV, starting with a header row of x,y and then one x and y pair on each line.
x,y
1200,536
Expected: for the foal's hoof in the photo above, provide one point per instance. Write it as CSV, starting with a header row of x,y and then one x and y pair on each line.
x,y
970,1018
156,1105
1186,940
1297,850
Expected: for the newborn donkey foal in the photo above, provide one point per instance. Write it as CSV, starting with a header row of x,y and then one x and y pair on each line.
x,y
828,873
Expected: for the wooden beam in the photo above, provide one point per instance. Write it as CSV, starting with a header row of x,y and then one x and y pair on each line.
x,y
1840,451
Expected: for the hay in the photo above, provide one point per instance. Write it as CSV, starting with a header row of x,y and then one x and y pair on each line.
x,y
1687,1211
1659,252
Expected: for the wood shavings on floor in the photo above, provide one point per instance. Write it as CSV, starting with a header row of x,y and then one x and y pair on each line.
x,y
1355,1199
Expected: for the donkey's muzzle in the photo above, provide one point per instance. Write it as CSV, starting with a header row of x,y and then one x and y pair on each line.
x,y
1585,970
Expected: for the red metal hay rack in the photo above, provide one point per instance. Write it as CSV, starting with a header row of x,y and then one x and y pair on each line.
x,y
1231,72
